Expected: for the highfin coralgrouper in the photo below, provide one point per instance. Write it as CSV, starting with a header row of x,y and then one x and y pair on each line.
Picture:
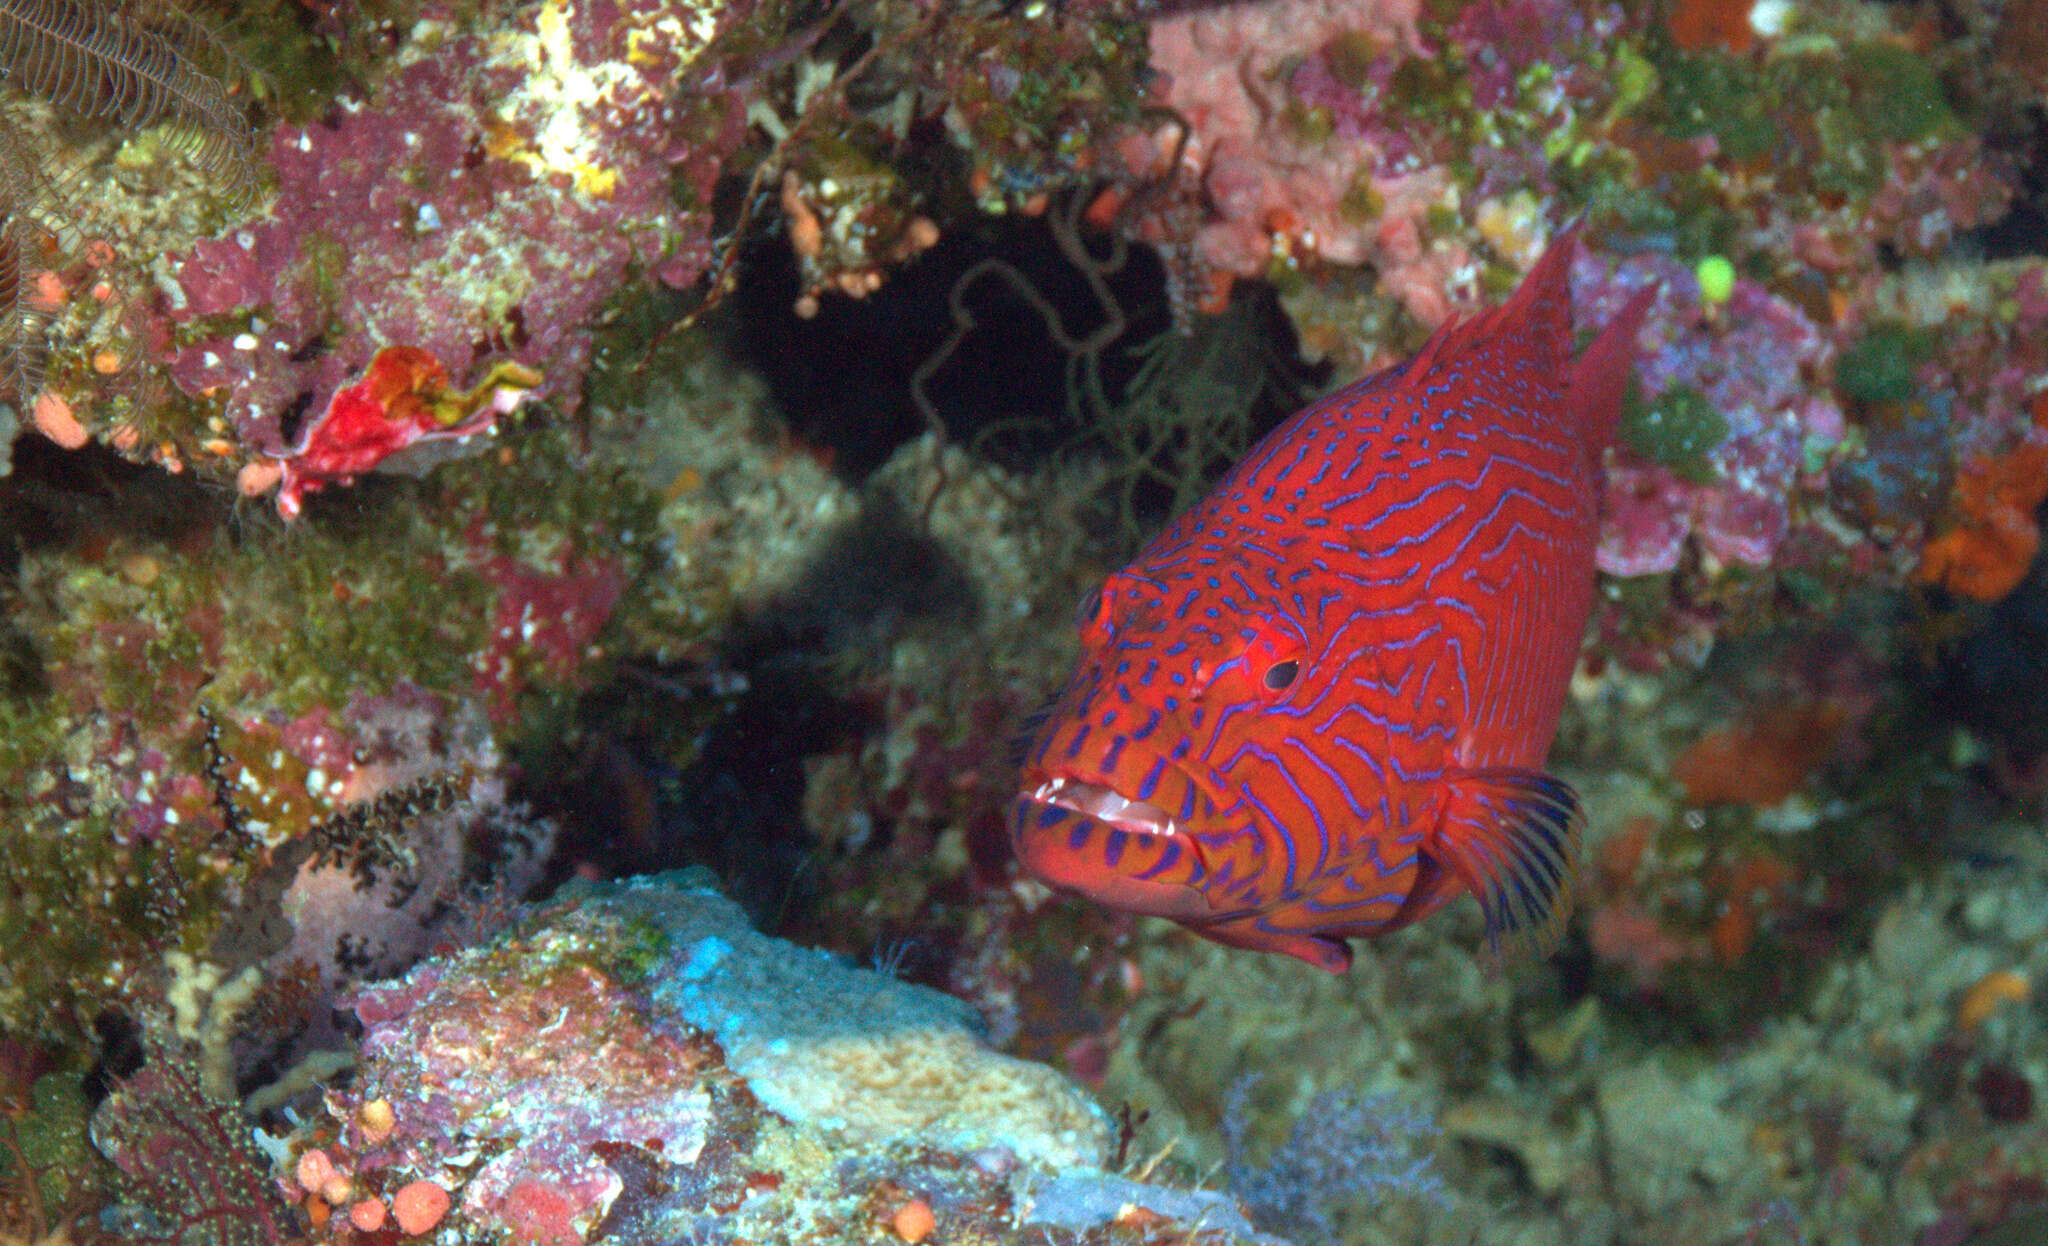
x,y
1317,706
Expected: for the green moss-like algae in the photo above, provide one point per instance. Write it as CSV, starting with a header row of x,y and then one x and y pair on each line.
x,y
1679,429
1823,115
396,584
1878,367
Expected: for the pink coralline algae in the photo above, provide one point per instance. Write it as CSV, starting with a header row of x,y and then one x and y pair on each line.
x,y
1270,185
479,204
533,1057
545,625
1755,361
1933,450
1935,192
1979,353
1305,142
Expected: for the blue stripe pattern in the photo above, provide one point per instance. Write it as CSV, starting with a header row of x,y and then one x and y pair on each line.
x,y
1367,631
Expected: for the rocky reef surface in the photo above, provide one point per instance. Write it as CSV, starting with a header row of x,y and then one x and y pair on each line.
x,y
633,1062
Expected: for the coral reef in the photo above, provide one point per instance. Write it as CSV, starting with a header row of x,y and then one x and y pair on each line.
x,y
499,184
1314,137
1023,104
1745,369
1338,132
209,717
191,1171
636,1061
548,546
480,204
98,72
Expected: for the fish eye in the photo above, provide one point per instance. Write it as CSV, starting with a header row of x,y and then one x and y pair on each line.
x,y
1281,674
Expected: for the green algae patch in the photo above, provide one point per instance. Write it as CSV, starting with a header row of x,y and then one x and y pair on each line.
x,y
1878,367
1679,429
640,949
85,913
1826,117
1897,94
1711,93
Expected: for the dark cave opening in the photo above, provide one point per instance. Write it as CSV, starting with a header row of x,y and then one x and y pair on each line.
x,y
973,313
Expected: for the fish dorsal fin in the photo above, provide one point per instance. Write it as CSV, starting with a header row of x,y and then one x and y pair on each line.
x,y
1600,377
1512,837
1535,321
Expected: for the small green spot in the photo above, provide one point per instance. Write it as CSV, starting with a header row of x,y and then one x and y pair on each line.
x,y
1879,366
641,948
1809,589
1361,204
1499,281
1814,452
1311,123
1425,86
1717,279
1898,93
1679,429
1351,57
1635,80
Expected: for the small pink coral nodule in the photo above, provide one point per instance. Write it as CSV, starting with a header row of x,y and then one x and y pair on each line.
x,y
314,1170
53,419
338,1190
258,477
419,1207
376,1120
367,1215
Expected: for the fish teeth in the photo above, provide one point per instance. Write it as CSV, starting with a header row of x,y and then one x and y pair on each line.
x,y
1105,805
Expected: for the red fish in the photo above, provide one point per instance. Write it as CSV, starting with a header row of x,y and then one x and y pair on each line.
x,y
1317,706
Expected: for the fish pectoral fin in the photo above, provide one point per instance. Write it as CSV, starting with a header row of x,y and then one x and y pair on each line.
x,y
1512,837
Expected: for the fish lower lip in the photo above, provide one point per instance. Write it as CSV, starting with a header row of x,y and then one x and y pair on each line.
x,y
1106,805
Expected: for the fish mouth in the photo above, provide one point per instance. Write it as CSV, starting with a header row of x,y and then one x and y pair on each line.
x,y
1105,805
1094,841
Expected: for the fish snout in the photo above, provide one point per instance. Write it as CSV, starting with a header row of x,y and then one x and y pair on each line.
x,y
1089,840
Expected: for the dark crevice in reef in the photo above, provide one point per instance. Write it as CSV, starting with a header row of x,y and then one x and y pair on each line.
x,y
1988,676
704,764
85,500
846,381
2023,230
57,498
678,767
842,379
871,580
